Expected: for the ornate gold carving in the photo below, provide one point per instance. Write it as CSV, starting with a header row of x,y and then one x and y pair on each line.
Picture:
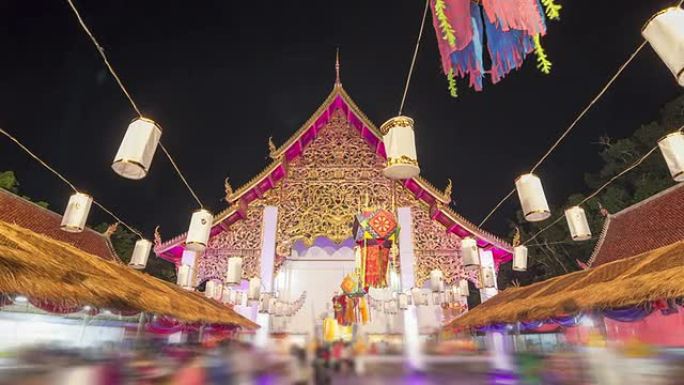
x,y
243,239
228,188
447,189
272,149
516,237
397,121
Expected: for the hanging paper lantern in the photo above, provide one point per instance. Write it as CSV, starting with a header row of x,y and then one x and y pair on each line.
x,y
198,233
436,280
419,297
402,300
400,146
665,32
141,252
330,329
184,276
672,148
456,293
488,277
234,272
520,258
394,281
254,288
532,198
137,149
263,302
577,223
469,252
358,258
210,289
272,302
463,287
76,213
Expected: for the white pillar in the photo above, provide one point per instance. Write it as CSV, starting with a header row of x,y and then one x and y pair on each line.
x,y
268,250
412,348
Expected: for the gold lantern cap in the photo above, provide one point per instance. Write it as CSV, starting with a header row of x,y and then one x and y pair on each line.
x,y
397,121
650,19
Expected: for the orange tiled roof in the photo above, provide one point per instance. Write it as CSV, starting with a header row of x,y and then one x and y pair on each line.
x,y
17,210
652,223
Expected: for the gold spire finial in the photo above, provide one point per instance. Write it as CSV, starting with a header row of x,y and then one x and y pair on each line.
x,y
157,236
447,189
111,229
338,82
516,237
271,148
228,188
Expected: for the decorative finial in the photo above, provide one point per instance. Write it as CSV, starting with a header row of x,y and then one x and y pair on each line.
x,y
367,202
338,82
157,236
447,189
604,211
516,237
271,148
228,188
111,229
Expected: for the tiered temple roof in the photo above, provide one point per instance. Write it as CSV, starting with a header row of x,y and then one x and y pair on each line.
x,y
338,100
26,214
652,223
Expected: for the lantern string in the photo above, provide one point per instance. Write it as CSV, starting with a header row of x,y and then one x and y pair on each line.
x,y
592,195
415,55
101,51
573,124
65,180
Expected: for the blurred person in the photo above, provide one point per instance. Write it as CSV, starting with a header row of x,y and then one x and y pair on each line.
x,y
192,373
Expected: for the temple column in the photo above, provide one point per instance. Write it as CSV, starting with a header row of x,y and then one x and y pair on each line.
x,y
267,260
407,260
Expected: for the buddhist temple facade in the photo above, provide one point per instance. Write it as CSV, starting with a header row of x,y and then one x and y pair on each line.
x,y
292,223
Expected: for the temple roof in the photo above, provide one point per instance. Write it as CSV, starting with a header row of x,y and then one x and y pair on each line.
x,y
29,215
338,99
652,223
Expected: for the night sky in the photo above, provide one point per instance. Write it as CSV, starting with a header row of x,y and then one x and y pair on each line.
x,y
222,76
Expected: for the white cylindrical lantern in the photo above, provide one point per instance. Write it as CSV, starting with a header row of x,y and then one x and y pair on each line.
x,y
141,252
665,32
469,252
137,149
198,233
520,258
456,294
436,280
463,287
254,289
184,279
488,277
272,302
672,148
532,198
394,281
76,212
402,300
210,289
400,146
234,272
417,296
577,223
225,296
263,302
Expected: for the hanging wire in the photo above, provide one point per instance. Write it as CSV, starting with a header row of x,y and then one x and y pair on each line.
x,y
101,51
415,55
573,124
65,180
592,195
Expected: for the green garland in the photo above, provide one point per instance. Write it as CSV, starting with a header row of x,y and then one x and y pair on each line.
x,y
552,9
444,25
543,62
452,83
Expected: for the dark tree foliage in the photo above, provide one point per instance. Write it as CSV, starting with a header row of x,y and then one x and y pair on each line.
x,y
553,252
9,182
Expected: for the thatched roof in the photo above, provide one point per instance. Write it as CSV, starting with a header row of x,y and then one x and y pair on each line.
x,y
657,274
43,268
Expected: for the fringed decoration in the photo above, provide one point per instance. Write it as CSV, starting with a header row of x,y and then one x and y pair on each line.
x,y
457,13
468,61
453,91
552,9
522,15
543,62
444,24
506,49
